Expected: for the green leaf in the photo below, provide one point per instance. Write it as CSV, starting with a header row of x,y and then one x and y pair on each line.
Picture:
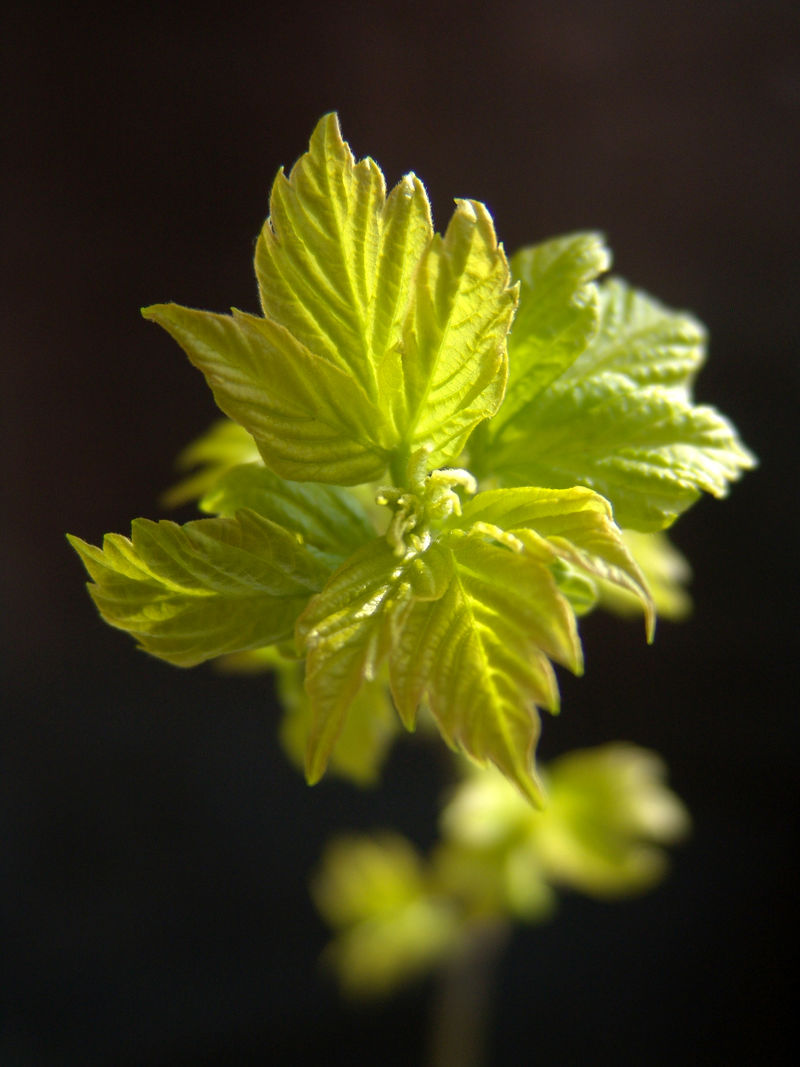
x,y
581,591
336,258
609,811
574,525
369,729
361,280
347,630
558,314
641,338
310,419
389,927
378,337
214,586
620,418
224,445
666,571
262,660
453,361
325,516
646,449
478,655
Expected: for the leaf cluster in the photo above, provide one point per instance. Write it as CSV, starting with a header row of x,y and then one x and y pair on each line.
x,y
430,457
395,913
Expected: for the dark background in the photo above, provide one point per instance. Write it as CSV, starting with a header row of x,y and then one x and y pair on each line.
x,y
156,844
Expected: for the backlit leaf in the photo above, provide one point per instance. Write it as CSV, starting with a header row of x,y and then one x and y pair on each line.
x,y
641,338
214,586
378,336
224,445
369,728
645,448
347,630
558,314
609,812
389,927
479,655
575,525
310,419
666,571
325,516
453,357
336,258
620,418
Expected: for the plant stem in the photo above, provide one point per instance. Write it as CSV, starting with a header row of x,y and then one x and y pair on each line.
x,y
461,1009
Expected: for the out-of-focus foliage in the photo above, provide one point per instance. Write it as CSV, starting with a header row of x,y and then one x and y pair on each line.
x,y
608,813
603,832
666,571
224,445
377,892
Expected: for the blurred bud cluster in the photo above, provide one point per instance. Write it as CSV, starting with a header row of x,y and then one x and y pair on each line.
x,y
395,914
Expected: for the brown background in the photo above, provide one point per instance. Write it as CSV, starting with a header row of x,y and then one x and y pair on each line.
x,y
157,845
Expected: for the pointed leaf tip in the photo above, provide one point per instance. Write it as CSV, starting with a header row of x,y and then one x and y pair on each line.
x,y
315,767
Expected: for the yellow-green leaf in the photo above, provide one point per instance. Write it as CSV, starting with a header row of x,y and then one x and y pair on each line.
x,y
328,517
224,445
575,525
647,449
336,258
479,655
347,630
620,418
369,729
641,338
666,571
558,314
454,361
311,420
214,586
